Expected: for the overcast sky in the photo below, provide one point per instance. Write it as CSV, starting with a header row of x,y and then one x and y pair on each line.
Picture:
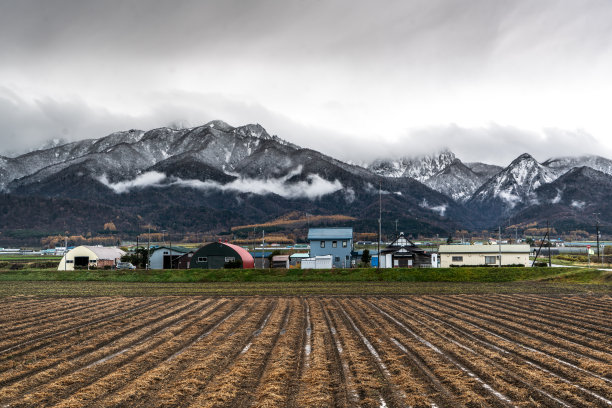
x,y
354,79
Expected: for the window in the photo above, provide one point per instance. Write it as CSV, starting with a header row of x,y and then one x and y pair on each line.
x,y
92,261
229,259
202,259
490,260
337,259
334,244
347,257
165,252
70,261
457,259
322,244
344,244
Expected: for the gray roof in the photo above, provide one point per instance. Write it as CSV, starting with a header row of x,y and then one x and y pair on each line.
x,y
481,249
330,233
106,252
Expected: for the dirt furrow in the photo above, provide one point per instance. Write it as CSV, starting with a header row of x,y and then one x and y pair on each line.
x,y
491,341
526,333
256,362
145,389
276,382
88,383
590,323
371,381
501,398
107,317
205,364
347,391
570,333
50,317
71,351
578,305
413,382
51,346
523,391
85,363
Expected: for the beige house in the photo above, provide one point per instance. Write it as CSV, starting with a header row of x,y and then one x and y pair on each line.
x,y
90,256
475,255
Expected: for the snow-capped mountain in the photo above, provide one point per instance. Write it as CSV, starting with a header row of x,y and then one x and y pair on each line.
x,y
561,165
442,172
516,183
227,174
218,171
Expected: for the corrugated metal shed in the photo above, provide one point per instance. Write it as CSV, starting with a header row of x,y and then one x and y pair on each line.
x,y
480,249
330,233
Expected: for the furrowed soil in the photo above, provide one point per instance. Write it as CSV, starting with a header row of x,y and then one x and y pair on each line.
x,y
434,350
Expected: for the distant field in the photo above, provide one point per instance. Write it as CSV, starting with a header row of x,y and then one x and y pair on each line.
x,y
476,274
519,350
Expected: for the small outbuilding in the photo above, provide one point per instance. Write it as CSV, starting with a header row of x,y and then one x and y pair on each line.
x,y
318,262
280,261
219,255
296,259
90,257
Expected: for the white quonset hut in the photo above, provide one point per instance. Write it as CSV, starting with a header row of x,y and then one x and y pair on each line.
x,y
477,255
90,256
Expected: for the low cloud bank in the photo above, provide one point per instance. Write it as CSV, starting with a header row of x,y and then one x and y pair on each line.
x,y
313,187
440,209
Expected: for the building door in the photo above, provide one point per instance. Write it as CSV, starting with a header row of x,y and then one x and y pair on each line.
x,y
403,262
81,261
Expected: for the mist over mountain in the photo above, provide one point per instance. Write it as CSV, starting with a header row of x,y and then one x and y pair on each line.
x,y
215,176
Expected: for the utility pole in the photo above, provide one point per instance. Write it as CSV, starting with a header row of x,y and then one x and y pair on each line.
x,y
548,233
263,243
148,248
379,221
65,250
170,239
597,229
137,257
499,246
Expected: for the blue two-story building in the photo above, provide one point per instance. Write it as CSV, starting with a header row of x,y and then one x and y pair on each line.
x,y
337,242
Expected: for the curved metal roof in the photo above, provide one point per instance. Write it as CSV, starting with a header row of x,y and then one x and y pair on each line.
x,y
247,260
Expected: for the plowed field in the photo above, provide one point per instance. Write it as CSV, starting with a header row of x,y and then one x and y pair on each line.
x,y
421,351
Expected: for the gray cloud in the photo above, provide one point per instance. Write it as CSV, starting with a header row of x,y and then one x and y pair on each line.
x,y
354,79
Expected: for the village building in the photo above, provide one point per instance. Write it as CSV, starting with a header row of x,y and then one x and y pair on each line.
x,y
403,253
296,259
261,259
166,257
90,257
219,255
318,262
337,242
483,255
280,261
